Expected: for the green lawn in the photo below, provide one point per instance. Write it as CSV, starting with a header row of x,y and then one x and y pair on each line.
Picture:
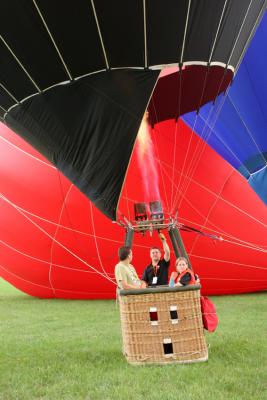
x,y
59,349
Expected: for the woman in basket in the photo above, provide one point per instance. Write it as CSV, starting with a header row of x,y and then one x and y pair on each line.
x,y
183,275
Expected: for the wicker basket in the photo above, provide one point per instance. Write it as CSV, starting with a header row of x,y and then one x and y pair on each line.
x,y
162,325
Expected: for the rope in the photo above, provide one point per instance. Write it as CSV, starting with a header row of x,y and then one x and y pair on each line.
x,y
56,241
55,234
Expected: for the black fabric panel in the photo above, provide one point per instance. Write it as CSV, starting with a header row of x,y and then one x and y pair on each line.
x,y
165,30
87,128
74,29
2,112
203,23
12,75
252,16
5,100
23,30
122,29
231,24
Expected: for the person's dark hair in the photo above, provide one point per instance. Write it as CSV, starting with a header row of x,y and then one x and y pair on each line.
x,y
124,252
155,247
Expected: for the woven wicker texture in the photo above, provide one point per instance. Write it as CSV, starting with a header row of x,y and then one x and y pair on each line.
x,y
165,340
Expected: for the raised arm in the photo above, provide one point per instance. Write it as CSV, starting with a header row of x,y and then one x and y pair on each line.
x,y
165,247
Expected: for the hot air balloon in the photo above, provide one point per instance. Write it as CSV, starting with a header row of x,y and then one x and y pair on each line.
x,y
80,103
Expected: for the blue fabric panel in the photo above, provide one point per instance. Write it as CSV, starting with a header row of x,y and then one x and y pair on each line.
x,y
235,126
258,182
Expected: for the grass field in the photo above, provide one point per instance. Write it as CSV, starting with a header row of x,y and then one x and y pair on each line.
x,y
57,349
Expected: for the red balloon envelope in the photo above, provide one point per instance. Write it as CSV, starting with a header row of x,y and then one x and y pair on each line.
x,y
55,243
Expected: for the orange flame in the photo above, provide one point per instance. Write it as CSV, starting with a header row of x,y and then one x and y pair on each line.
x,y
147,161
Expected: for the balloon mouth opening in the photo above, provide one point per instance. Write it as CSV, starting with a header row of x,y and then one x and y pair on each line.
x,y
179,90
